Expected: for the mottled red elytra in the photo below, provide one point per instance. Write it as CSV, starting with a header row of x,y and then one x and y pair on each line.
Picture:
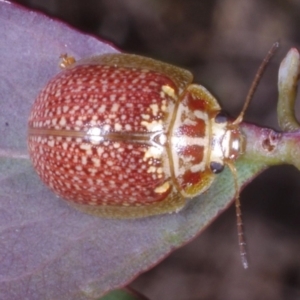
x,y
124,136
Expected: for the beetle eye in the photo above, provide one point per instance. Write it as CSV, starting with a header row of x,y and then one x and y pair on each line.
x,y
216,167
221,117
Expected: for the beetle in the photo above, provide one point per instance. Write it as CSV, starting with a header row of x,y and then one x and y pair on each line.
x,y
125,136
128,136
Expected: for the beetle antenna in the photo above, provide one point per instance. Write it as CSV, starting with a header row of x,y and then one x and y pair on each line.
x,y
239,220
235,123
255,82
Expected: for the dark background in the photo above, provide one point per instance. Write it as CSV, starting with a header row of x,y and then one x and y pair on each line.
x,y
222,42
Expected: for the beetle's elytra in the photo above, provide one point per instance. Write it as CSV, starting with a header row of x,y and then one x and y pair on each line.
x,y
126,136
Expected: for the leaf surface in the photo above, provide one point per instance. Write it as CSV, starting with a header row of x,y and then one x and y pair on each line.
x,y
47,249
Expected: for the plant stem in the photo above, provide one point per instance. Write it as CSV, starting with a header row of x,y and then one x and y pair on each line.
x,y
270,147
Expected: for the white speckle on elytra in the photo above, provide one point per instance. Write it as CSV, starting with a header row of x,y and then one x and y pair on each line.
x,y
93,122
154,107
118,127
152,152
128,127
90,181
124,185
77,187
57,94
78,123
87,148
96,161
65,108
169,91
159,170
151,169
111,116
100,151
51,143
78,168
153,126
112,97
92,171
63,122
146,117
115,107
75,178
83,160
106,127
163,108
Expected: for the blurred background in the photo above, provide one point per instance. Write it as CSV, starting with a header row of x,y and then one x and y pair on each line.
x,y
222,42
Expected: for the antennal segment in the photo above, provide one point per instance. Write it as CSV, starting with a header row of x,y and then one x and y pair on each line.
x,y
239,219
255,82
